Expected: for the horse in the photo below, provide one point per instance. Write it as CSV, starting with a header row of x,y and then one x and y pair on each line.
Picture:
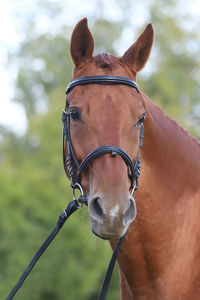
x,y
160,254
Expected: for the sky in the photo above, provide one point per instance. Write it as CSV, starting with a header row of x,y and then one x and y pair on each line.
x,y
12,16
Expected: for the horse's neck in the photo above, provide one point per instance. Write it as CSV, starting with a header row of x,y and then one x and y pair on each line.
x,y
170,157
155,253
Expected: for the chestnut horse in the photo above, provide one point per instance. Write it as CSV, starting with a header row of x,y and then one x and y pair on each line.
x,y
160,255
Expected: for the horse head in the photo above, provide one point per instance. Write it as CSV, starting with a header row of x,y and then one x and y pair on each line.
x,y
102,115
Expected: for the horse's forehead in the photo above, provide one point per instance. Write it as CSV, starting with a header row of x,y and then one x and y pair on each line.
x,y
102,64
107,101
103,98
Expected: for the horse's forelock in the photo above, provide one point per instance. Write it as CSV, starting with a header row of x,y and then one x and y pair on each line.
x,y
105,61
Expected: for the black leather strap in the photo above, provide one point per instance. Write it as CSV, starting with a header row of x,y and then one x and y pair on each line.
x,y
113,151
102,79
109,272
72,207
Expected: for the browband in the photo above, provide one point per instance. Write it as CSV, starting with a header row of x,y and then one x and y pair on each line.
x,y
102,79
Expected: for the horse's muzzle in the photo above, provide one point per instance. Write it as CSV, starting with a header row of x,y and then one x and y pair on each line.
x,y
110,223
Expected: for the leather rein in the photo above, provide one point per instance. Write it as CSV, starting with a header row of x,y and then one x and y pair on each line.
x,y
75,175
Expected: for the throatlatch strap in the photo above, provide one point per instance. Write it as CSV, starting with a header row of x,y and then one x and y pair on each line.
x,y
72,207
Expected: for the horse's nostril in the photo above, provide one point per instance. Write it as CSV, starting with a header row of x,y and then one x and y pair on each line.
x,y
96,203
131,211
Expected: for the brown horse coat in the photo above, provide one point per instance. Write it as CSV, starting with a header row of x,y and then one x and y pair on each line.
x,y
160,256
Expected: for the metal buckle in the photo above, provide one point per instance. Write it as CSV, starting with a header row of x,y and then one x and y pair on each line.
x,y
82,199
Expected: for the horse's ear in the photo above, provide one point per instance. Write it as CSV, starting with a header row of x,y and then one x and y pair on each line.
x,y
82,43
137,55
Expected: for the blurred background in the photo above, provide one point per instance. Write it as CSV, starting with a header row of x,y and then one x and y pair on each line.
x,y
35,68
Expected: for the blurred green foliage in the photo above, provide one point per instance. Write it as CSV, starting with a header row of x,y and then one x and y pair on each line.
x,y
33,186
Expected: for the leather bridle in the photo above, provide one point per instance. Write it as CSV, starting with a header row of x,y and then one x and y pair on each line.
x,y
75,176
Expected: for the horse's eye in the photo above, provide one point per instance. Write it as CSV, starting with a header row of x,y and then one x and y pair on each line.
x,y
75,114
141,119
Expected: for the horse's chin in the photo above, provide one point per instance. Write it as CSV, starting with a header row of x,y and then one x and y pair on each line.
x,y
107,236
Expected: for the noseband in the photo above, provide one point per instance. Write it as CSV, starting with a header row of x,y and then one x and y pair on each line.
x,y
72,161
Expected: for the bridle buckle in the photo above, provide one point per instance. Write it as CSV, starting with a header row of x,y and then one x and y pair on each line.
x,y
82,199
